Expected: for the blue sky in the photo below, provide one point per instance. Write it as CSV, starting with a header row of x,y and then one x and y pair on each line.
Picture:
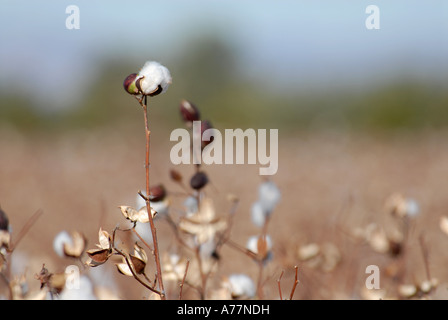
x,y
290,43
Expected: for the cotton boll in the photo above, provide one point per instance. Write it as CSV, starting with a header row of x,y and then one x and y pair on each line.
x,y
61,238
144,230
191,205
161,207
252,243
261,248
83,291
412,208
153,78
269,195
241,286
259,214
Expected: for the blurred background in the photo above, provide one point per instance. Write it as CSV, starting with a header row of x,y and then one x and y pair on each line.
x,y
361,113
294,64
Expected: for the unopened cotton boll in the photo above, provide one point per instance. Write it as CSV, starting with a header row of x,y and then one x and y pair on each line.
x,y
153,79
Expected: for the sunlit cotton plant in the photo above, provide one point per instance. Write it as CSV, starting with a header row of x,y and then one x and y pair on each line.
x,y
153,79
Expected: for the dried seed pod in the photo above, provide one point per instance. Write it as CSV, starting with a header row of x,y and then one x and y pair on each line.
x,y
129,84
43,276
189,112
157,193
175,175
205,124
199,180
4,222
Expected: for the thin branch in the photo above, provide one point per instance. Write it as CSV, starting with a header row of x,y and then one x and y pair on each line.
x,y
246,251
148,205
181,286
296,281
260,280
31,221
201,273
279,286
141,239
425,255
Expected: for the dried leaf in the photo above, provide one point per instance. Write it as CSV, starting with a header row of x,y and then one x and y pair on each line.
x,y
124,269
98,256
202,231
105,239
140,253
203,224
139,259
206,213
139,264
134,215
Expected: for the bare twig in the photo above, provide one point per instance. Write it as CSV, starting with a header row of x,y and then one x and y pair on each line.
x,y
143,103
141,239
181,286
31,221
296,281
425,254
279,286
201,273
260,280
246,251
